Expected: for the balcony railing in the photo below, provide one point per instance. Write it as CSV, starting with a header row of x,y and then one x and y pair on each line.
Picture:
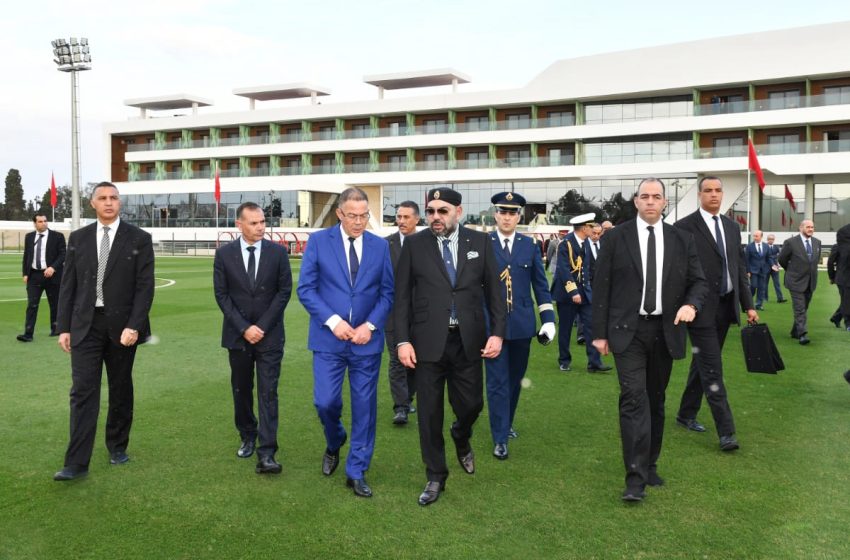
x,y
786,148
775,104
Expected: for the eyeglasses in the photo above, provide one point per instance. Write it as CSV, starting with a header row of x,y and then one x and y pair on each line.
x,y
442,211
357,217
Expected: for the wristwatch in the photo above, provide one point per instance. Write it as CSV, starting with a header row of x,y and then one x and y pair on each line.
x,y
370,326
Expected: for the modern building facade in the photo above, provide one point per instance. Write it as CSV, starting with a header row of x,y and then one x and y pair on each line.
x,y
594,125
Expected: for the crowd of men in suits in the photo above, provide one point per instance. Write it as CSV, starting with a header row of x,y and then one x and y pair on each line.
x,y
449,303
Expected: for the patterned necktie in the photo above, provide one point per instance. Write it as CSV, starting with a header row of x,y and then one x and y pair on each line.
x,y
809,248
353,263
450,269
724,267
758,246
649,288
38,252
507,250
252,266
102,259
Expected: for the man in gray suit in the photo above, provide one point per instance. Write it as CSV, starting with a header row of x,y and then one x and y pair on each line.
x,y
799,257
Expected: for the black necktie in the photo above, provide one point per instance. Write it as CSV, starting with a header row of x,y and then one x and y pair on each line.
x,y
649,288
724,268
38,252
507,250
353,263
252,266
450,269
809,249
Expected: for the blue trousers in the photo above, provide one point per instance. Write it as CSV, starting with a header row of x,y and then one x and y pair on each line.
x,y
504,378
328,374
566,316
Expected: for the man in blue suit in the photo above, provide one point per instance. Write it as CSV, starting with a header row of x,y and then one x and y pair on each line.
x,y
346,285
571,289
773,261
253,283
521,272
758,268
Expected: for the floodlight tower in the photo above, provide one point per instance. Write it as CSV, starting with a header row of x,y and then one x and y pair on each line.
x,y
73,56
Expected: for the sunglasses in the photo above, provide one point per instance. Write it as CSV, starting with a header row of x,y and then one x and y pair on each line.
x,y
442,211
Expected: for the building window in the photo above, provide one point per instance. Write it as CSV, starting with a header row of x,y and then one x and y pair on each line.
x,y
560,118
783,144
205,140
637,152
327,164
326,132
556,156
435,161
359,131
262,168
359,164
728,147
397,162
292,167
397,128
518,158
477,160
662,108
434,126
475,124
204,169
518,121
837,140
835,95
789,99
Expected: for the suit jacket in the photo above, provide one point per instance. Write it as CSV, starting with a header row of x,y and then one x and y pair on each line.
x,y
618,286
54,253
772,254
324,288
573,273
243,306
712,265
527,275
128,283
395,245
758,263
801,273
838,264
424,294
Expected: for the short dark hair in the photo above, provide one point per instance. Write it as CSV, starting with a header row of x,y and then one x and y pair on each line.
x,y
410,204
248,206
102,184
37,214
708,178
353,194
651,180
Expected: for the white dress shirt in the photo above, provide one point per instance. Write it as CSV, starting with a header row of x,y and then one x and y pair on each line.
x,y
245,254
42,249
334,319
708,218
643,240
113,228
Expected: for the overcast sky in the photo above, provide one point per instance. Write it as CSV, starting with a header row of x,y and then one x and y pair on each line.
x,y
208,47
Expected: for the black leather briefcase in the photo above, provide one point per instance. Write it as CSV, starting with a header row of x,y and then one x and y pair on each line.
x,y
760,351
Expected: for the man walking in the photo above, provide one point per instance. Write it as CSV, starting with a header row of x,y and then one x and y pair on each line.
x,y
44,255
758,268
799,257
773,255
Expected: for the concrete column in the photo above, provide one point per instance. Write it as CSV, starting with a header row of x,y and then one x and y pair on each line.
x,y
251,103
143,112
454,85
194,108
380,92
809,196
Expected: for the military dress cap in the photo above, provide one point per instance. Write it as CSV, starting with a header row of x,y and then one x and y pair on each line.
x,y
508,200
584,219
446,195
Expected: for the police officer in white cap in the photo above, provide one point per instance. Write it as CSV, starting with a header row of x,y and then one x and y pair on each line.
x,y
572,292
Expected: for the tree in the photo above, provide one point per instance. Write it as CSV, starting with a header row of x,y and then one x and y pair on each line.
x,y
618,209
63,203
14,208
573,204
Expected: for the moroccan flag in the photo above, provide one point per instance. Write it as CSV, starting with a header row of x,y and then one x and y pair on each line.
x,y
790,198
754,164
783,218
217,187
52,191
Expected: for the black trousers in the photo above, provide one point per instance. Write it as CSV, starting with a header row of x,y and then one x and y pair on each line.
x,y
87,360
706,373
37,284
643,370
267,365
402,379
465,381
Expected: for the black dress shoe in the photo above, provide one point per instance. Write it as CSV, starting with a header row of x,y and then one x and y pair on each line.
x,y
512,434
330,460
759,308
654,480
781,300
690,423
400,417
24,337
580,340
467,461
431,493
836,320
411,409
564,367
267,465
847,376
599,369
729,443
804,340
359,486
635,494
54,333
118,458
246,449
500,452
70,473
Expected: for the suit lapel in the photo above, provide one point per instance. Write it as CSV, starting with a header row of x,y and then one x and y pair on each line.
x,y
463,247
501,261
264,264
670,248
337,250
634,250
702,227
239,263
366,257
116,249
437,255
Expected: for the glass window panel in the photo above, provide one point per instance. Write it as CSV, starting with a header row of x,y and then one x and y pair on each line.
x,y
593,114
643,110
628,112
612,113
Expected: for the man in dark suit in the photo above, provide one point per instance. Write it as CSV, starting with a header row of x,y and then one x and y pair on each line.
x,y
772,256
648,284
799,257
718,243
446,276
104,300
402,379
522,275
346,285
758,268
252,282
44,255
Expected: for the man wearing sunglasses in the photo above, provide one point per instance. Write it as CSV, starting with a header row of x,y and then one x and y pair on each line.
x,y
446,275
521,272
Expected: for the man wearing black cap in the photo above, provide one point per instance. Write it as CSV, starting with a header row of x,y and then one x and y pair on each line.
x,y
445,276
571,289
522,272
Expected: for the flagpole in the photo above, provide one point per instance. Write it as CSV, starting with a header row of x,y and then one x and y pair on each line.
x,y
749,202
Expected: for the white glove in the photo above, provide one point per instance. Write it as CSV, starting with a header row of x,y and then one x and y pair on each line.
x,y
549,330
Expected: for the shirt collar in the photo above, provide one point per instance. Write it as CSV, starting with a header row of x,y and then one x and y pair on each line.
x,y
244,244
707,216
511,238
642,225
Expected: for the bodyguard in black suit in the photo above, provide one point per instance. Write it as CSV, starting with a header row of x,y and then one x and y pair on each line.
x,y
402,379
446,276
719,250
253,283
44,255
104,300
648,283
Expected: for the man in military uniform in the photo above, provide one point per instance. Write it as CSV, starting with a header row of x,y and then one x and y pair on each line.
x,y
572,292
521,273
